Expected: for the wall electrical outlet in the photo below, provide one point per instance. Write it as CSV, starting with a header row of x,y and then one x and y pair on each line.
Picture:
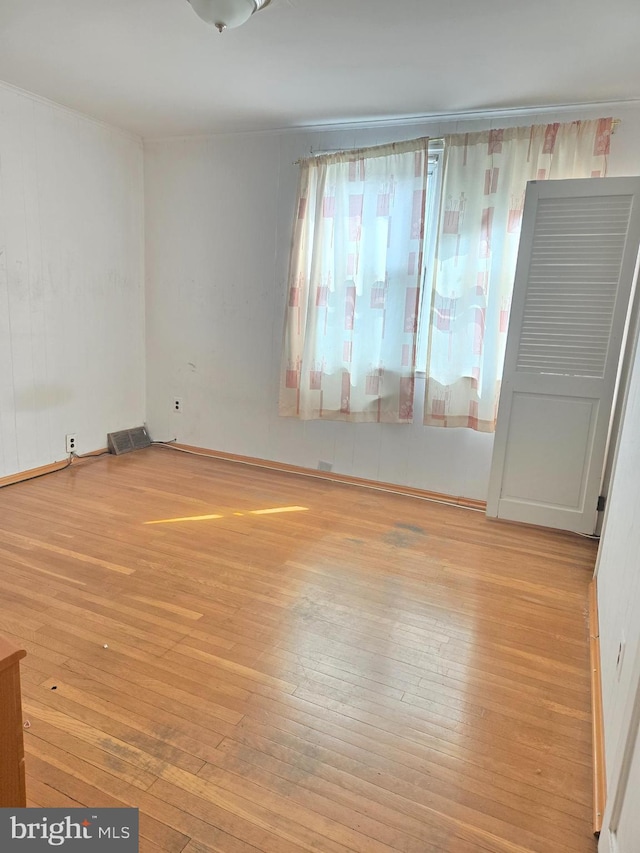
x,y
324,466
176,404
71,442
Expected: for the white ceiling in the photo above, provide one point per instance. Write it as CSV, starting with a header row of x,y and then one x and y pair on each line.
x,y
154,68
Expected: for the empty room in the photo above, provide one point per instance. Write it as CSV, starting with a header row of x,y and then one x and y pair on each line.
x,y
319,417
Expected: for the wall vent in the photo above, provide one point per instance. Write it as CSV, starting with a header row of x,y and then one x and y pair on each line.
x,y
127,440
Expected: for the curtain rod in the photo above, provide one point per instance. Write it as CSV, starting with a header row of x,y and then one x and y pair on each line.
x,y
436,141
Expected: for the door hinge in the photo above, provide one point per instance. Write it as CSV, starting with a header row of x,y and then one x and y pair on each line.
x,y
602,502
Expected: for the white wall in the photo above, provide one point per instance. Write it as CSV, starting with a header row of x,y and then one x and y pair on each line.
x,y
218,221
71,281
627,830
619,604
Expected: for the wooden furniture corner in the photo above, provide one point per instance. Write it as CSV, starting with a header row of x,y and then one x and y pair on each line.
x,y
12,781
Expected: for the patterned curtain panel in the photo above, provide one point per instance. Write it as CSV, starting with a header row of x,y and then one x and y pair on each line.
x,y
485,176
354,286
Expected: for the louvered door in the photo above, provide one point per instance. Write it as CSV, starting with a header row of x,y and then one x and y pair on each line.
x,y
574,276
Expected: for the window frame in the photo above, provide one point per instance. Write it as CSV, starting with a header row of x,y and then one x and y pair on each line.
x,y
431,225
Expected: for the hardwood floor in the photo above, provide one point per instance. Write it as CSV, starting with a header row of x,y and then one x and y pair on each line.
x,y
363,672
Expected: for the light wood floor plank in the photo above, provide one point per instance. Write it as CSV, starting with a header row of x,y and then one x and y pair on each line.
x,y
372,674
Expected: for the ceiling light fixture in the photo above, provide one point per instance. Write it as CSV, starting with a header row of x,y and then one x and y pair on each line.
x,y
227,14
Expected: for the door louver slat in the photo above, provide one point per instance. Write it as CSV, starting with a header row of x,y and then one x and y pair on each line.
x,y
576,257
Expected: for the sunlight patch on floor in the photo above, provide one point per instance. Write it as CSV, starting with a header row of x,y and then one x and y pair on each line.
x,y
272,511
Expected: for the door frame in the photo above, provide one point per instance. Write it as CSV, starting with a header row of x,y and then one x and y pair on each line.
x,y
627,358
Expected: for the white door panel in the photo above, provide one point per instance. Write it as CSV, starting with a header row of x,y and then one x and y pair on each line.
x,y
558,433
574,275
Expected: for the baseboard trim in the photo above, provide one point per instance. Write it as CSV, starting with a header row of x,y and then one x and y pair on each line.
x,y
597,728
345,479
33,472
51,468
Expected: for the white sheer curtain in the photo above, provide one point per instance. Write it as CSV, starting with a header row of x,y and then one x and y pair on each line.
x,y
485,176
354,285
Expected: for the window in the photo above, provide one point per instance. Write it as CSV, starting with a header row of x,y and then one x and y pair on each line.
x,y
485,176
355,284
403,261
